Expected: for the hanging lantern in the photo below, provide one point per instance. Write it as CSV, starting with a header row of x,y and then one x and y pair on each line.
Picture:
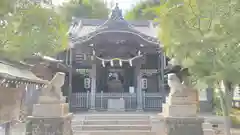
x,y
87,83
144,83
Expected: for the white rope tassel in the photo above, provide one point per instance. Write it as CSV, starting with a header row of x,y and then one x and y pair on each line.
x,y
111,63
139,53
120,63
130,62
103,63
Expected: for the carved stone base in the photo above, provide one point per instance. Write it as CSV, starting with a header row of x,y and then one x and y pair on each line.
x,y
50,110
183,126
49,126
180,110
179,99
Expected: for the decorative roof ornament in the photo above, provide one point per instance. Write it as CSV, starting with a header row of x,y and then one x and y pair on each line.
x,y
116,13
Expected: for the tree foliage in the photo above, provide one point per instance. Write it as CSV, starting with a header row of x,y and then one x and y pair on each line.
x,y
204,36
6,6
29,29
141,11
85,9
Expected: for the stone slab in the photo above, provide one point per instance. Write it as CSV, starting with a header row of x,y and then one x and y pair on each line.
x,y
116,122
180,110
183,126
49,126
208,132
50,110
116,105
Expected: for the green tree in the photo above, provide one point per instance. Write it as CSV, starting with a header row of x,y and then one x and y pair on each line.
x,y
204,36
6,6
31,29
95,9
141,11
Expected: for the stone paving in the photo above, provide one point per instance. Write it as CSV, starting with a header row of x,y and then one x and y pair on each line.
x,y
19,129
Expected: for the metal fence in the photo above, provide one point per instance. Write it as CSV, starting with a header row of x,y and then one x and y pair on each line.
x,y
150,101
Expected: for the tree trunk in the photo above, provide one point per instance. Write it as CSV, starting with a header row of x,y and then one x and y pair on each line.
x,y
229,94
224,98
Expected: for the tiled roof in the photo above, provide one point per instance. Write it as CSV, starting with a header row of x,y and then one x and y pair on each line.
x,y
90,25
83,30
12,72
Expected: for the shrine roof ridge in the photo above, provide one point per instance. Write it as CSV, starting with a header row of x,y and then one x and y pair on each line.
x,y
99,22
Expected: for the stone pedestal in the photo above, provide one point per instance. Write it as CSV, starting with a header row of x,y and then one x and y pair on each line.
x,y
181,104
49,125
49,119
50,110
180,114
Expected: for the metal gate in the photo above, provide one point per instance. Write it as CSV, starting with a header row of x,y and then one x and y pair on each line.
x,y
150,101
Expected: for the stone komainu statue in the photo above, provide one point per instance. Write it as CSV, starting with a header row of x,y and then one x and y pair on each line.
x,y
52,91
177,77
174,83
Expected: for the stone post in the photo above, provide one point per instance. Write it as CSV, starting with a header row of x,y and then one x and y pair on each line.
x,y
93,86
180,113
50,115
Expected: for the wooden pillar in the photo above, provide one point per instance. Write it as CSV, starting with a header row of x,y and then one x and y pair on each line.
x,y
139,87
93,86
162,66
159,78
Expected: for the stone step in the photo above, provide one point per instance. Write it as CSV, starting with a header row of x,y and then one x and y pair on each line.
x,y
116,122
110,132
208,132
117,117
111,127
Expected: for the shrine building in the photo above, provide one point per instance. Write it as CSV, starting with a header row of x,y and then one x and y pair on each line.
x,y
110,62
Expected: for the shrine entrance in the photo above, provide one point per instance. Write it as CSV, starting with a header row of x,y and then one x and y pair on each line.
x,y
115,80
